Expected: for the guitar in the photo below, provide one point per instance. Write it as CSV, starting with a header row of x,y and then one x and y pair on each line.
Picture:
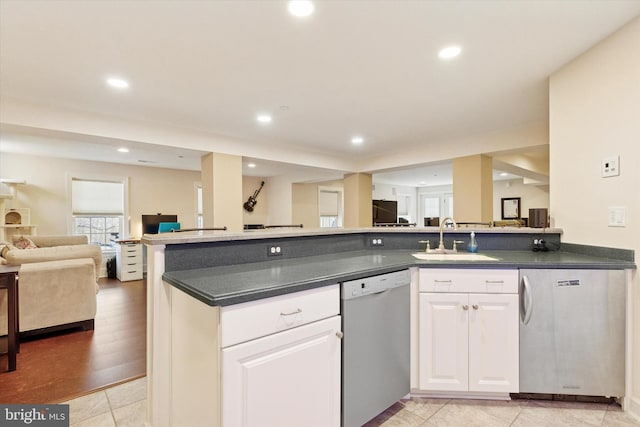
x,y
249,204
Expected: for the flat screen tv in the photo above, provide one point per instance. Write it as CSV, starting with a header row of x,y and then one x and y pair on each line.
x,y
150,222
385,211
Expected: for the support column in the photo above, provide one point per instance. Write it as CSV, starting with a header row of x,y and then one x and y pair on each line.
x,y
473,188
222,191
358,205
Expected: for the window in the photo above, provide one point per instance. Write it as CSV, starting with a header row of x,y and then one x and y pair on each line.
x,y
330,207
432,207
436,205
97,208
199,217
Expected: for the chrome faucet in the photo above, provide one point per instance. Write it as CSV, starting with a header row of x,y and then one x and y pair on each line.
x,y
441,247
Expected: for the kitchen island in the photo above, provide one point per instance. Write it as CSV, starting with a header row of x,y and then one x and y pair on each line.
x,y
204,273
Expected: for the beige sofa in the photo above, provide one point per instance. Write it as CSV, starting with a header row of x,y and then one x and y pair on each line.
x,y
57,283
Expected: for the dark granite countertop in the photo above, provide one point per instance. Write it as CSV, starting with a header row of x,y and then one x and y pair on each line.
x,y
233,284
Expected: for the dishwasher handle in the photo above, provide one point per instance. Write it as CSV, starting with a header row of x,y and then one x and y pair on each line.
x,y
526,301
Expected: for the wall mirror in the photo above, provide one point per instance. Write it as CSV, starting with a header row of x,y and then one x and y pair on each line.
x,y
511,208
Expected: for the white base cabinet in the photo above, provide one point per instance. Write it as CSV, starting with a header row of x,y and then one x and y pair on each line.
x,y
468,342
291,378
271,362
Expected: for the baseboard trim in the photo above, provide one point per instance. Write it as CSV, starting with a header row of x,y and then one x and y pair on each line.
x,y
85,325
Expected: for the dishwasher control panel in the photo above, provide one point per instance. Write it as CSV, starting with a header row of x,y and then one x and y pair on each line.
x,y
374,284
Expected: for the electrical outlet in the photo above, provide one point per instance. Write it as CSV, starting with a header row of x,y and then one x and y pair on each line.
x,y
539,245
274,251
611,166
377,241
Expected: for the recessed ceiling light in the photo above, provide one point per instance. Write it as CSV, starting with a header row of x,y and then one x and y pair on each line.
x,y
117,83
264,118
123,150
251,165
300,8
449,52
357,140
504,174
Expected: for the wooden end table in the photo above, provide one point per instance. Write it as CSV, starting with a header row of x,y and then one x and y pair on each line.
x,y
9,281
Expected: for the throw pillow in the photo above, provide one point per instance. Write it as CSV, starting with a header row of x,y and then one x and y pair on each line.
x,y
22,242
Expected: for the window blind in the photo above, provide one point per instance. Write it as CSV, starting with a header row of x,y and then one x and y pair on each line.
x,y
97,197
328,203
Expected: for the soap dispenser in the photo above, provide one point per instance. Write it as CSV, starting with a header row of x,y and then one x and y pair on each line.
x,y
473,244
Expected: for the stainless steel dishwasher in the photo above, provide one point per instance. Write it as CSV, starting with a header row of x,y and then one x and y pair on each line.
x,y
375,346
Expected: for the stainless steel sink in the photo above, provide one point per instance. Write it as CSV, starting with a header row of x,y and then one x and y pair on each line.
x,y
453,256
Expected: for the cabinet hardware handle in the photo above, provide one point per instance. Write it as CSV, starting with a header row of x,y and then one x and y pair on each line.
x,y
526,301
292,313
339,334
465,307
441,281
475,306
494,281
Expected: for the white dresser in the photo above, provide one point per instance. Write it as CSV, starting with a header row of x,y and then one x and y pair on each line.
x,y
129,261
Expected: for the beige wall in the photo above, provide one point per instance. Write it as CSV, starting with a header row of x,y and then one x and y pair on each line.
x,y
151,190
473,188
358,211
304,199
279,200
594,112
222,191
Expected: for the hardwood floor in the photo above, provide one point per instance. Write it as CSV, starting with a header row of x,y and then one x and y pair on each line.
x,y
61,366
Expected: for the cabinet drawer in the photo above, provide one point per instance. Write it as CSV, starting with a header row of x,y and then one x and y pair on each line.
x,y
247,321
469,280
131,250
130,259
127,273
130,264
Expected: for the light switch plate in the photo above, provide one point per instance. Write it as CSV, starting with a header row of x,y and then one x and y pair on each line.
x,y
610,166
617,216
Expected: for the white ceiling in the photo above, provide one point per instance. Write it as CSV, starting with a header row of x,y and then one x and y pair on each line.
x,y
354,67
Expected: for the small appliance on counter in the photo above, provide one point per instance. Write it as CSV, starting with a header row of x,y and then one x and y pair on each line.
x,y
538,217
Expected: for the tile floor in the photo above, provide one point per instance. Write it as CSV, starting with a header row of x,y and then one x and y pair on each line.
x,y
125,406
490,413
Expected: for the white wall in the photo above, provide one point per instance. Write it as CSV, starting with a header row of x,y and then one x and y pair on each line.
x,y
260,211
151,190
531,196
594,112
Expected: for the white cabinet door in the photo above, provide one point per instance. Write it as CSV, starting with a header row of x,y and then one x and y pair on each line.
x,y
291,378
469,342
493,343
443,342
